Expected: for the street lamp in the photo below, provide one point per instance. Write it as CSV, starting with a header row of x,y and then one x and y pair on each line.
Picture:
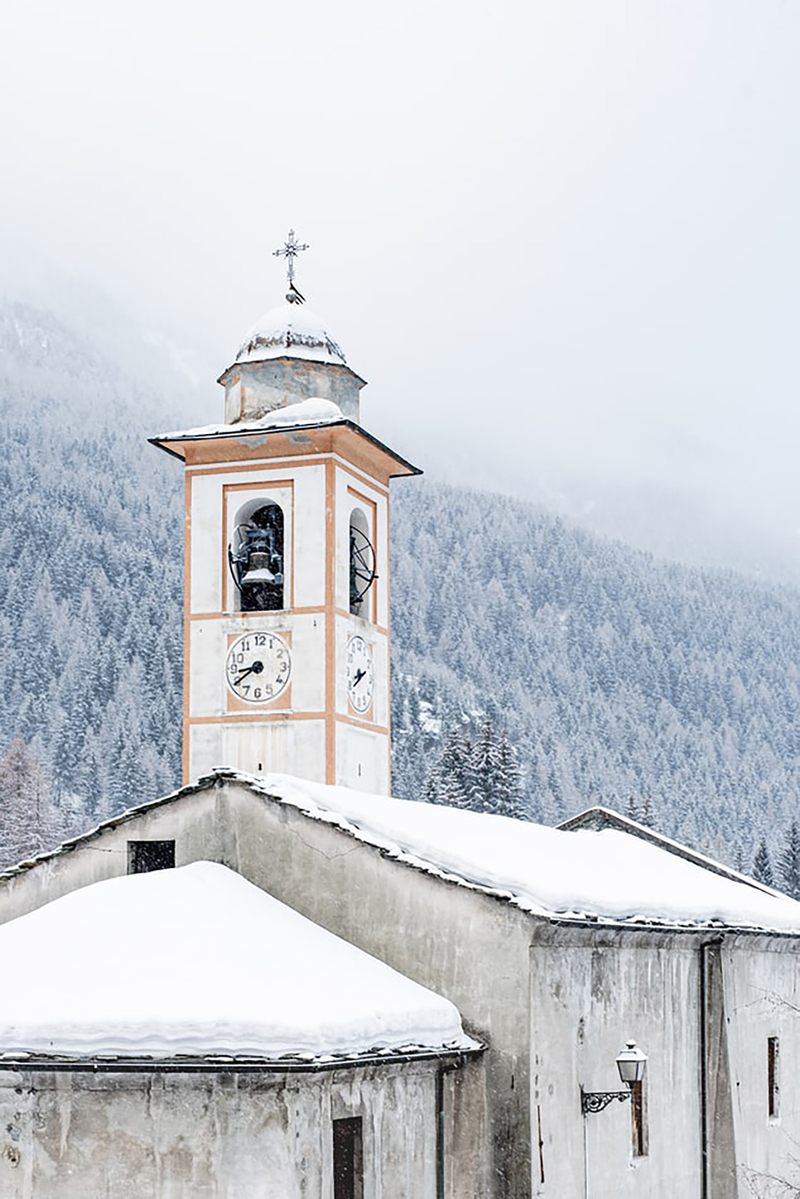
x,y
631,1063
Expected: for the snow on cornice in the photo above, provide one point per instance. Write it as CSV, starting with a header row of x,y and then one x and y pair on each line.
x,y
313,411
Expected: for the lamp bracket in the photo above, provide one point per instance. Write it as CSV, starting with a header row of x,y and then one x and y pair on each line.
x,y
596,1101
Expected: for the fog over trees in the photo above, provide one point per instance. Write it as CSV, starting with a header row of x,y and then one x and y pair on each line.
x,y
536,669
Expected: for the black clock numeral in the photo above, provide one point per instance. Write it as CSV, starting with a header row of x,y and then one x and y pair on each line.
x,y
261,639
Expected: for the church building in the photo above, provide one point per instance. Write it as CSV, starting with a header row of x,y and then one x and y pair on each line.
x,y
280,981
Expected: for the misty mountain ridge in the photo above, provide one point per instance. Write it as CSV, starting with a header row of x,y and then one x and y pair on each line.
x,y
617,677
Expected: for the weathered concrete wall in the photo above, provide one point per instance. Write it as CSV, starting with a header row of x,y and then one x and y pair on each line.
x,y
254,388
463,944
592,991
230,1136
762,999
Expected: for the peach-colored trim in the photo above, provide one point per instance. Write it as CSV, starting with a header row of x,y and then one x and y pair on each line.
x,y
258,716
288,551
187,566
362,477
264,464
388,666
330,622
372,459
318,459
279,612
311,610
373,628
369,725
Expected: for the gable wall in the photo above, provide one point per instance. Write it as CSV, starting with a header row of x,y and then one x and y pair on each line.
x,y
191,821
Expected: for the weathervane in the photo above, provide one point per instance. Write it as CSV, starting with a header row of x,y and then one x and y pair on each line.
x,y
289,250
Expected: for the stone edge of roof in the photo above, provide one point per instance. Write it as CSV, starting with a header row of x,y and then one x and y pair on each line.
x,y
298,1063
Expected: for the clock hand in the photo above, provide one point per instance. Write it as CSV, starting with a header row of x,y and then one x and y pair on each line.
x,y
358,677
256,668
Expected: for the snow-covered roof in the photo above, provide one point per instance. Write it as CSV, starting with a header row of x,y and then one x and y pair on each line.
x,y
290,331
197,961
313,411
607,875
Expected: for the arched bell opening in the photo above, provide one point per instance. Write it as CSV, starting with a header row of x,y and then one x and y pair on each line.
x,y
362,563
255,557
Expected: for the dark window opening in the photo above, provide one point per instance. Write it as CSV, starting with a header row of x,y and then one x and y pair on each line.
x,y
255,556
773,1077
144,856
638,1120
348,1159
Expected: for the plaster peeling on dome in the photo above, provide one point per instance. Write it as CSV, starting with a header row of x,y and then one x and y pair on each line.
x,y
286,328
289,339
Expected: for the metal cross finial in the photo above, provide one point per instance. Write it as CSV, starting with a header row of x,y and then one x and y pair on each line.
x,y
289,250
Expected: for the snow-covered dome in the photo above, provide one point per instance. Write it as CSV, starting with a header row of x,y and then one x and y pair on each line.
x,y
290,330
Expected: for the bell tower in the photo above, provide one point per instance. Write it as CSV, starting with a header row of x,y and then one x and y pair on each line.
x,y
286,608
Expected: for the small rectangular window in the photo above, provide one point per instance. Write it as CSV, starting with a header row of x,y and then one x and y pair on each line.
x,y
773,1077
144,856
639,1120
348,1159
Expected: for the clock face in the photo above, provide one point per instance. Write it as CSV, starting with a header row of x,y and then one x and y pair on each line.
x,y
258,667
360,674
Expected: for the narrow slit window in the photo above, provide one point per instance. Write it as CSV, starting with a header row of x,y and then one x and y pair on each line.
x,y
773,1077
144,856
348,1159
639,1120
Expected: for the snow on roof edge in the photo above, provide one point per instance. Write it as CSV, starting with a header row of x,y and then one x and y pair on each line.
x,y
599,817
313,810
257,785
288,1063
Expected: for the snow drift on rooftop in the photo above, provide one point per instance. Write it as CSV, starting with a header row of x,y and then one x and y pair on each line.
x,y
199,961
606,875
313,411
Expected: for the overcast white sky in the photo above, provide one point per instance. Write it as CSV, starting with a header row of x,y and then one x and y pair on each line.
x,y
559,238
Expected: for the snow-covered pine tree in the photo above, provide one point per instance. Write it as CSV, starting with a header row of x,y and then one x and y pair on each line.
x,y
762,867
510,798
30,820
788,863
487,774
449,779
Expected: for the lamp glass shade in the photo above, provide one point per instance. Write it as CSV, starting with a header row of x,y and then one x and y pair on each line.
x,y
631,1062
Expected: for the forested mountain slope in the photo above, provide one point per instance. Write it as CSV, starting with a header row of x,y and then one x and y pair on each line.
x,y
615,676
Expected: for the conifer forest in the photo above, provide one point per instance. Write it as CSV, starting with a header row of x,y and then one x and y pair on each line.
x,y
537,670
